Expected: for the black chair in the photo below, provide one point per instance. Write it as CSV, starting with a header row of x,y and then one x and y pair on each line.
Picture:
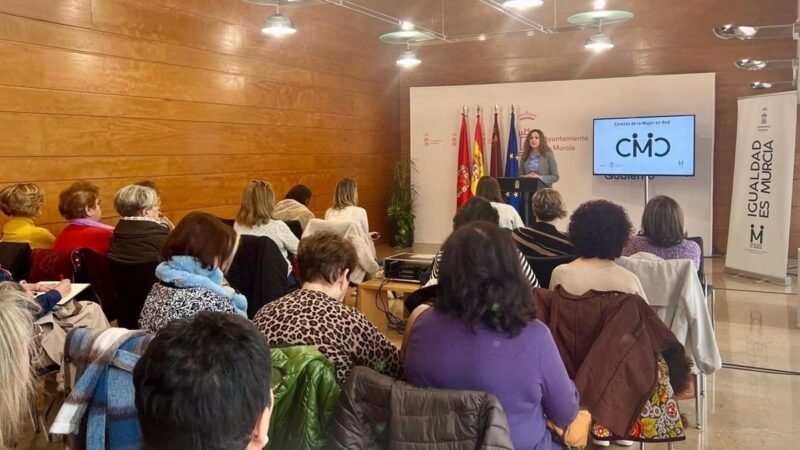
x,y
93,268
543,266
132,283
259,271
296,227
16,258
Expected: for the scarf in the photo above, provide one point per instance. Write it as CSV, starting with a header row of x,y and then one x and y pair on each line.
x,y
187,272
91,223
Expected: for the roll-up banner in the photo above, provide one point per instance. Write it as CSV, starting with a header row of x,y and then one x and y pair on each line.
x,y
761,203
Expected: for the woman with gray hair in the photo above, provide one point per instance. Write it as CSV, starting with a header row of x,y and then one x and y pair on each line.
x,y
140,233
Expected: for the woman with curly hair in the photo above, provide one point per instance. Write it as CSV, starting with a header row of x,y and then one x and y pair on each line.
x,y
599,230
22,203
481,335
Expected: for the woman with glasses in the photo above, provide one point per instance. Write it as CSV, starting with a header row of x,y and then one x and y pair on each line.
x,y
80,204
140,232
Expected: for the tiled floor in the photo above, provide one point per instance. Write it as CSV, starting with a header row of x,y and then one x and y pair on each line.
x,y
756,326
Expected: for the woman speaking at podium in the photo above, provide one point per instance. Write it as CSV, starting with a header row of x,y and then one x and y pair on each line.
x,y
537,159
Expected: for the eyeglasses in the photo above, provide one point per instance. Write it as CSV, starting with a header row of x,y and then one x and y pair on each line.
x,y
261,182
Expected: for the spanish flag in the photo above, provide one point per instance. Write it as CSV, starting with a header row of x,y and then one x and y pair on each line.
x,y
477,154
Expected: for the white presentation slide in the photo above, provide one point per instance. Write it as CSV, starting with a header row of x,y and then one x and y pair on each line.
x,y
644,146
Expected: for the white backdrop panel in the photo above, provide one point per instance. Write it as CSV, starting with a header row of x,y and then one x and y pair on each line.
x,y
564,110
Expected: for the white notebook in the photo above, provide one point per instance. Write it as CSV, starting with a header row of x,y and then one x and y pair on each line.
x,y
75,289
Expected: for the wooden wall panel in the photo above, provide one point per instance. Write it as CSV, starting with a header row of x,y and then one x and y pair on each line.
x,y
191,95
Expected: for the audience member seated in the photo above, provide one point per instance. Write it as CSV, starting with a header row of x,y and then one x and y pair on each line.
x,y
542,239
294,206
139,234
315,314
482,335
345,205
22,203
599,230
152,185
489,189
16,371
191,277
478,209
367,263
255,218
626,363
80,204
53,320
662,233
205,384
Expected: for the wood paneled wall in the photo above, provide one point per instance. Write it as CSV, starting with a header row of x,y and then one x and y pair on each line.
x,y
663,38
190,94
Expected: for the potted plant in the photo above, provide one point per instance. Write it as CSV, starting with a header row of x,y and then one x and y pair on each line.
x,y
401,204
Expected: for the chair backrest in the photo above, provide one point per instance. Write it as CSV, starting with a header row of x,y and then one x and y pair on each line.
x,y
259,271
95,270
375,408
16,258
53,265
543,266
700,270
132,283
296,227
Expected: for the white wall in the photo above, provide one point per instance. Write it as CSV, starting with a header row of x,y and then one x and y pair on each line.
x,y
562,109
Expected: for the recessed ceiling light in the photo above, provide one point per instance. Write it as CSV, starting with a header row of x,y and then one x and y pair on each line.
x,y
522,4
278,25
599,41
408,59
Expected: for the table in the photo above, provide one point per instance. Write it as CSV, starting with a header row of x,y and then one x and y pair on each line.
x,y
373,305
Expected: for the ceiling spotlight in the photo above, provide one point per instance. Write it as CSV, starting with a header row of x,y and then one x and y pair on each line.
x,y
599,41
522,4
408,59
757,64
278,25
599,4
771,84
751,64
760,85
731,31
406,25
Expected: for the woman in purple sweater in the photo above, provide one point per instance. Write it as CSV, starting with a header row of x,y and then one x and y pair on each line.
x,y
662,233
481,335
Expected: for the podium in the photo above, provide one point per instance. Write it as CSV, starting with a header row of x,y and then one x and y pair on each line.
x,y
524,187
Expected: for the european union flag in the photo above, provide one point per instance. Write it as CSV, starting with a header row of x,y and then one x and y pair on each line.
x,y
512,163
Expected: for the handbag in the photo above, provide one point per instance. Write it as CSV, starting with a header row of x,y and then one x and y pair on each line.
x,y
576,435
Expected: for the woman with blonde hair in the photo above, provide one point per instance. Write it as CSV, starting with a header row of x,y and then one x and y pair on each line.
x,y
80,204
543,238
16,371
22,203
255,218
345,205
537,159
489,189
662,232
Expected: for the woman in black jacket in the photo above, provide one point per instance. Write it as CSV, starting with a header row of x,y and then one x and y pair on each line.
x,y
140,233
